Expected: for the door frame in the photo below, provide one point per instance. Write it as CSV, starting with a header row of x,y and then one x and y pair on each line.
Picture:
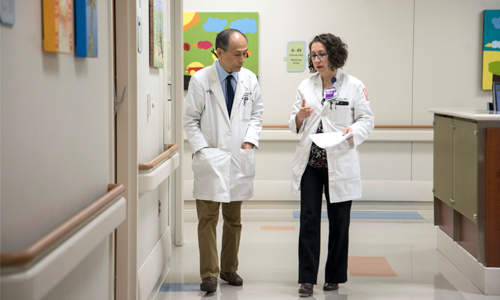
x,y
126,146
125,66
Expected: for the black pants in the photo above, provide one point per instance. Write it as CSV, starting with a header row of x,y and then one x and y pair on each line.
x,y
339,216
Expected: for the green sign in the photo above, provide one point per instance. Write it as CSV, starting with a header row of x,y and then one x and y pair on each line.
x,y
296,57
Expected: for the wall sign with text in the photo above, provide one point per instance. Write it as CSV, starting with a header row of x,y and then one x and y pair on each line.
x,y
296,57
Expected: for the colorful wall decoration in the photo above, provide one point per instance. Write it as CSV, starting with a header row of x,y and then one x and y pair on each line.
x,y
156,46
58,26
86,28
491,48
200,31
8,12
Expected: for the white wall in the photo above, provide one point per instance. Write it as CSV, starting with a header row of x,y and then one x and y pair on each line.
x,y
448,58
56,137
90,279
410,54
150,137
56,128
149,80
151,224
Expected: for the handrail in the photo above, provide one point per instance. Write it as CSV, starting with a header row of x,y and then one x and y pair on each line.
x,y
404,126
26,255
376,126
172,149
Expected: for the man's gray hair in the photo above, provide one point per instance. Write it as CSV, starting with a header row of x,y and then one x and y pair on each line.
x,y
224,38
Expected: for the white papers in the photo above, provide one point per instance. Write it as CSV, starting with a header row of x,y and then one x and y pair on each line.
x,y
330,139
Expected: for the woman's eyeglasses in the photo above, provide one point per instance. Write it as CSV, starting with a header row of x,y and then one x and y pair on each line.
x,y
321,56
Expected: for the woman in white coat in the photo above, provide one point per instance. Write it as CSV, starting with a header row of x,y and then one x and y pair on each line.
x,y
333,171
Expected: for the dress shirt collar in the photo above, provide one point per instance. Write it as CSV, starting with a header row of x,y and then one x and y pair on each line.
x,y
223,73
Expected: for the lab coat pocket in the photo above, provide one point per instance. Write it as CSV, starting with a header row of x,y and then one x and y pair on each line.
x,y
211,167
342,115
211,161
247,162
346,164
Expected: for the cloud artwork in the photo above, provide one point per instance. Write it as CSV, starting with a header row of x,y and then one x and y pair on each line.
x,y
215,25
245,25
496,22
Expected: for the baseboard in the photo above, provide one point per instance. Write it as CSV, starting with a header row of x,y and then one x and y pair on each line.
x,y
279,190
155,269
486,279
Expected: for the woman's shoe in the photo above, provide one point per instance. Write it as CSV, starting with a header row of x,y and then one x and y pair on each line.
x,y
306,289
330,286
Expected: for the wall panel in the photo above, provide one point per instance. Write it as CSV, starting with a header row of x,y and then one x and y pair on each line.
x,y
91,279
411,55
56,128
422,161
448,56
149,80
380,48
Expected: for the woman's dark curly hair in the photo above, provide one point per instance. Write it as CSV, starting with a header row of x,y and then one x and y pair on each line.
x,y
336,49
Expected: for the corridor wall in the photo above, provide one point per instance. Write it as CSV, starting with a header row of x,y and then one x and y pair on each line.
x,y
56,142
410,54
153,224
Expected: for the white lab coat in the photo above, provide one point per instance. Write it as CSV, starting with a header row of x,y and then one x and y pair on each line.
x,y
343,159
223,172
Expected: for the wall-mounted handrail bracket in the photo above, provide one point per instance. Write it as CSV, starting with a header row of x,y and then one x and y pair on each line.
x,y
116,99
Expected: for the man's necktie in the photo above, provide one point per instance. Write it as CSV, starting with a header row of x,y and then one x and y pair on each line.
x,y
229,94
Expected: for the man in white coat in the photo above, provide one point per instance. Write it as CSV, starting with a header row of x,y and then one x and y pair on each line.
x,y
223,123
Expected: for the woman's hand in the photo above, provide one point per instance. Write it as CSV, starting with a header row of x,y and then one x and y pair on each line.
x,y
304,113
346,131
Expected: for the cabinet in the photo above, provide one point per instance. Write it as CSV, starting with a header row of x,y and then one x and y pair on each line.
x,y
456,164
465,165
467,180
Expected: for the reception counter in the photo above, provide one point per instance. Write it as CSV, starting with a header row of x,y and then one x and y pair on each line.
x,y
467,192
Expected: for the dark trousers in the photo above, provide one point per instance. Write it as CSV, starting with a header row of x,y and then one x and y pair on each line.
x,y
339,216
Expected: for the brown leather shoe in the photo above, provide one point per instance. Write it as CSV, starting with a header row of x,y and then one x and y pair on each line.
x,y
232,278
209,284
330,286
306,289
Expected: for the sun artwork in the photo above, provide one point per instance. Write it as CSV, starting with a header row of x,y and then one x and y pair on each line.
x,y
190,19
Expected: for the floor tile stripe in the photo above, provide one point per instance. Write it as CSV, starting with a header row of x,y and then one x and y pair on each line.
x,y
375,215
291,228
370,267
180,287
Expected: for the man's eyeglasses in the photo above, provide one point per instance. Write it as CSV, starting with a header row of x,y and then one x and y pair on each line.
x,y
319,55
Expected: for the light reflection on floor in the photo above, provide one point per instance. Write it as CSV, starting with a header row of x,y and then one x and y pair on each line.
x,y
268,261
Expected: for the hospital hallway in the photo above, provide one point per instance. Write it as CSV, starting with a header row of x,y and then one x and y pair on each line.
x,y
392,255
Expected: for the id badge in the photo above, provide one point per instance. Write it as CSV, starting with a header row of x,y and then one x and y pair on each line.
x,y
331,93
